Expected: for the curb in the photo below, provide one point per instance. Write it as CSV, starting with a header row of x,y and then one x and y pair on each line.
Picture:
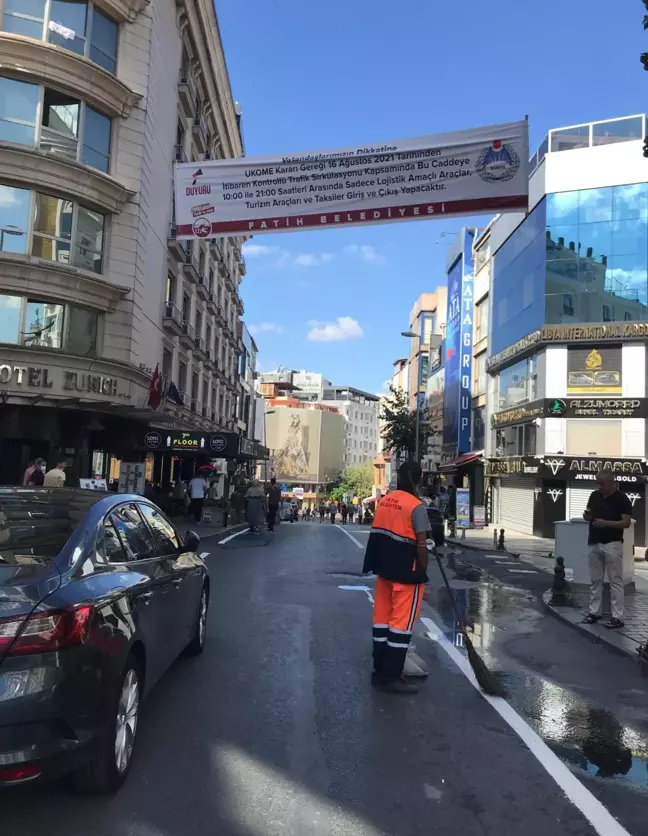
x,y
617,642
224,531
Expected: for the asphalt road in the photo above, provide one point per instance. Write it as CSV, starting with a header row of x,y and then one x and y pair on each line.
x,y
276,731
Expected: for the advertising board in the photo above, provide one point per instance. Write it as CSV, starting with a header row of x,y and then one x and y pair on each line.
x,y
458,173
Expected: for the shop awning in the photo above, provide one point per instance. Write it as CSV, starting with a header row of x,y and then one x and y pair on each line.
x,y
467,458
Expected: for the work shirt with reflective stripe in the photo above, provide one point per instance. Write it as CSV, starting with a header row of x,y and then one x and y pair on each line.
x,y
391,550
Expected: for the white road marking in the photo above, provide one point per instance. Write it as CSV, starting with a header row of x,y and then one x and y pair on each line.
x,y
350,536
232,536
523,571
204,555
596,814
499,556
361,588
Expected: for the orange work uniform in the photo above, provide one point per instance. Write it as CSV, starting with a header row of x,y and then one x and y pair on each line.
x,y
392,555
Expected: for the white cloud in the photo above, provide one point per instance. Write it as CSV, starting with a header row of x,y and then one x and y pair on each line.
x,y
8,197
344,328
312,259
366,252
257,250
265,328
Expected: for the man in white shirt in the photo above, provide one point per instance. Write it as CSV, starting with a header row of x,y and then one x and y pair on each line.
x,y
55,478
197,490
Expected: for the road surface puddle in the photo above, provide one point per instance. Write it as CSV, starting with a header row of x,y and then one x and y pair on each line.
x,y
583,735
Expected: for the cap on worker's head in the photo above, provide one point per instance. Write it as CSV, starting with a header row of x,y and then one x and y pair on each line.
x,y
409,475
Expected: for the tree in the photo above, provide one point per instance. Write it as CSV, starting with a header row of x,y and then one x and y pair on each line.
x,y
399,431
358,480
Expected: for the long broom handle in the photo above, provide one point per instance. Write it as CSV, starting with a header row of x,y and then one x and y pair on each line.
x,y
451,596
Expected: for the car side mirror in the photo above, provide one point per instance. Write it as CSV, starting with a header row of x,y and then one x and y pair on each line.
x,y
192,541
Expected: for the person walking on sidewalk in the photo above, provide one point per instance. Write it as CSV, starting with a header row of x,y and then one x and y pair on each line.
x,y
608,512
274,500
345,512
197,490
332,511
397,553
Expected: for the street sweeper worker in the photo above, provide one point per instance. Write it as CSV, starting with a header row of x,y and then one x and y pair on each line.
x,y
397,553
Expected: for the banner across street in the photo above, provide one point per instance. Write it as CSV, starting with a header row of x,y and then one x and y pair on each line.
x,y
460,173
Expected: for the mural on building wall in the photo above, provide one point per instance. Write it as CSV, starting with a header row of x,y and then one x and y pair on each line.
x,y
292,458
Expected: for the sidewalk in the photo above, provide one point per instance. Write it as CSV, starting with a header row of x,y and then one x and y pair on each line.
x,y
535,551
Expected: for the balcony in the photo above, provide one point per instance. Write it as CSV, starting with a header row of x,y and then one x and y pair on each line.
x,y
202,288
210,358
176,247
172,319
187,93
217,252
200,348
187,335
199,130
212,304
181,155
223,269
589,135
242,267
239,304
191,265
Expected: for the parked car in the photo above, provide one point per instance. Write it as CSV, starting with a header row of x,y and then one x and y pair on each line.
x,y
99,594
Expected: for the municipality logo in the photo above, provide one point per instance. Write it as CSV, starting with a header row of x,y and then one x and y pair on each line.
x,y
498,162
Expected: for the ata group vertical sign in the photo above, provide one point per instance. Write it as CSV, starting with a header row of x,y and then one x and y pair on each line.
x,y
458,351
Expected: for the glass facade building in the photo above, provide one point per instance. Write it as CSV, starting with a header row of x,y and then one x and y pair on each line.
x,y
579,257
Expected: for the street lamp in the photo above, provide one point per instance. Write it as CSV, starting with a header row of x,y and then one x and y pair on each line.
x,y
9,229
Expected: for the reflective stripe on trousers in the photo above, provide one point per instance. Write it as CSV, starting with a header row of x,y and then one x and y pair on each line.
x,y
396,609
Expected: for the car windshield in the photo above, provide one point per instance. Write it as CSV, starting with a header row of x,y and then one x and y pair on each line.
x,y
36,524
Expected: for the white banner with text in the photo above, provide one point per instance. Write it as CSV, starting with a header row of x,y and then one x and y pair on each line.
x,y
460,173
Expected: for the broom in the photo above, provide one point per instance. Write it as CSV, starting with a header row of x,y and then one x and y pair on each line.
x,y
488,682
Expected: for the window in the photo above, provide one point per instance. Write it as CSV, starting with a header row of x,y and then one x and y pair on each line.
x,y
208,337
479,374
43,325
60,124
71,24
427,328
186,307
18,107
607,313
171,289
14,219
96,133
109,547
31,322
517,383
68,233
166,537
593,438
518,440
199,324
182,377
568,305
134,536
481,320
627,316
167,363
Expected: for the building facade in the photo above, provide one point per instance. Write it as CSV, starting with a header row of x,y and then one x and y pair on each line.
x,y
568,330
99,98
361,412
427,319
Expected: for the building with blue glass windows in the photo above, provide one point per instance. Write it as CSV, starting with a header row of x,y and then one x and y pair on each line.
x,y
568,330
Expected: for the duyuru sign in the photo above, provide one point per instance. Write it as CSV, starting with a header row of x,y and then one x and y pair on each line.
x,y
459,173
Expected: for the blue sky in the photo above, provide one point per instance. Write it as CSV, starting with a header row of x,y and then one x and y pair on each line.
x,y
315,75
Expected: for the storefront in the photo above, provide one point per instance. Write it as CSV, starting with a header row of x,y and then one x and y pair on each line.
x,y
531,493
466,471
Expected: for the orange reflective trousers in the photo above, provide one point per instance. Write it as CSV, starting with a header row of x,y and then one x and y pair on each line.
x,y
396,609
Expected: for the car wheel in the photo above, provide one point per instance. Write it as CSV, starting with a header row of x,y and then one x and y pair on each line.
x,y
197,643
111,761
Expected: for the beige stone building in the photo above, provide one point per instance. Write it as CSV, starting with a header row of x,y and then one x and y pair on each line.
x,y
99,99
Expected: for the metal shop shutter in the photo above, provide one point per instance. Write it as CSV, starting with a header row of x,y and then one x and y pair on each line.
x,y
577,499
516,504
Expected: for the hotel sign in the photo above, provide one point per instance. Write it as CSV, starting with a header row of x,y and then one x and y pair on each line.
x,y
584,333
572,408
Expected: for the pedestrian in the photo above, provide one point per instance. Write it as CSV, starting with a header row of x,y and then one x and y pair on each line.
x,y
397,553
273,493
197,490
257,506
37,476
31,467
55,478
345,513
332,511
608,512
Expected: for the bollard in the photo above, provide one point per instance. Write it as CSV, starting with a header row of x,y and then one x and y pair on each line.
x,y
560,592
494,538
225,515
500,543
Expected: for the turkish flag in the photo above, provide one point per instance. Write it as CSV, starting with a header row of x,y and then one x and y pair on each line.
x,y
154,394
